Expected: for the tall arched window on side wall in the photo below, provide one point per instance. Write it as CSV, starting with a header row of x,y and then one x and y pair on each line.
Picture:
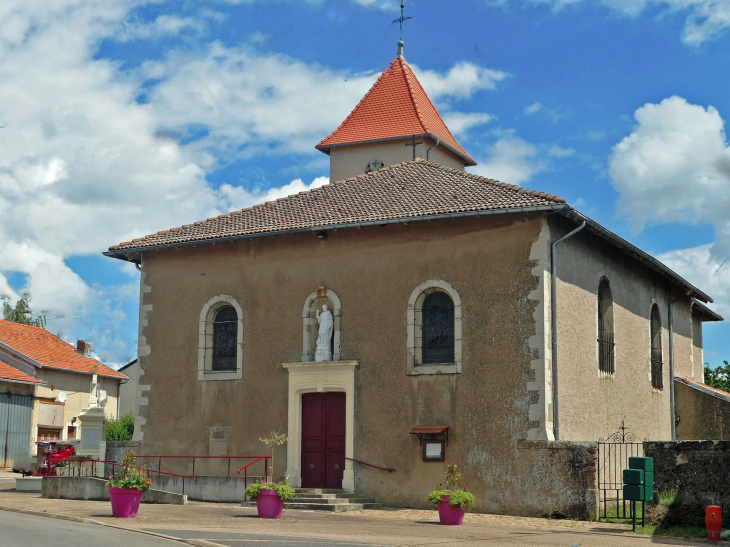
x,y
656,349
606,354
225,330
437,334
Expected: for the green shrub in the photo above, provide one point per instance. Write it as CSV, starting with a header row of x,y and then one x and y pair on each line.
x,y
121,429
284,491
457,492
672,511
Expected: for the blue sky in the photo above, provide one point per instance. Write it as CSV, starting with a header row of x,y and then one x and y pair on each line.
x,y
124,118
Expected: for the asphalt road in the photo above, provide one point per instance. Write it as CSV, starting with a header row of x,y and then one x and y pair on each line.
x,y
18,530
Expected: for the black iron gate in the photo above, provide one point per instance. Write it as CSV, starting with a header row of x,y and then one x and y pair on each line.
x,y
613,457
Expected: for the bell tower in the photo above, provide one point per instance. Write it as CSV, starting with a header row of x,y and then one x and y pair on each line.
x,y
394,122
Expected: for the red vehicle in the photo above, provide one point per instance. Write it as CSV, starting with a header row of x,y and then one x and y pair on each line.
x,y
50,454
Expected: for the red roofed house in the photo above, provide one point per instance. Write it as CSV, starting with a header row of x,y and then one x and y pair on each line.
x,y
44,385
408,313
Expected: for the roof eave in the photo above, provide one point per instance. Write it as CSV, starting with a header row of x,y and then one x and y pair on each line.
x,y
633,250
468,160
25,382
706,313
123,254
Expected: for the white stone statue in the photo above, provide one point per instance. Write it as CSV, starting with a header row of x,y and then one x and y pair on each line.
x,y
324,340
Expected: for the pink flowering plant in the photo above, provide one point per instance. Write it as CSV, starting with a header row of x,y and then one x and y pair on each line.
x,y
131,476
454,487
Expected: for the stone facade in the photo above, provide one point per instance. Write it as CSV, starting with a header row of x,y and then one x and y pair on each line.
x,y
703,413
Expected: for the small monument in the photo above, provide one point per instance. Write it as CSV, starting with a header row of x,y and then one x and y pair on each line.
x,y
326,321
93,428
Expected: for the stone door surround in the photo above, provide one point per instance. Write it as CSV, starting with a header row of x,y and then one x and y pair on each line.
x,y
319,377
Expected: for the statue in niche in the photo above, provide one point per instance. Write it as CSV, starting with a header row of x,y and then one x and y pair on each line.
x,y
326,321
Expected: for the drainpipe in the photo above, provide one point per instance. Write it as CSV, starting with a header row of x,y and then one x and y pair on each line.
x,y
672,409
554,325
428,151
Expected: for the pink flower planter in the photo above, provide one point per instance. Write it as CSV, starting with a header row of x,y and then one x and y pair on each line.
x,y
450,514
269,505
125,502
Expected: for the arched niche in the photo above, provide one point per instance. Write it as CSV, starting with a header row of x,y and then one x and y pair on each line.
x,y
310,326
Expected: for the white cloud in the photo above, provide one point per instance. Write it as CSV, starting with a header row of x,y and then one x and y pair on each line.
x,y
704,19
511,159
461,122
675,166
558,152
534,108
240,198
460,82
698,266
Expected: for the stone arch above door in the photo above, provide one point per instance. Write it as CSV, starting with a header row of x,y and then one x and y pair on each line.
x,y
310,327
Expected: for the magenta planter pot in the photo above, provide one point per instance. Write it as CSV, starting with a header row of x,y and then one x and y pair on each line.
x,y
125,502
269,505
450,514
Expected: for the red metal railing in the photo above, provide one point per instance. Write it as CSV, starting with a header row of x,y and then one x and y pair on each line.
x,y
229,458
245,471
389,470
115,465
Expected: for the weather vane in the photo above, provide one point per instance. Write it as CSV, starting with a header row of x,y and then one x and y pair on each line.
x,y
402,18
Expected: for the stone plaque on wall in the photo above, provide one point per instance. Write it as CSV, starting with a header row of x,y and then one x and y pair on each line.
x,y
90,438
218,441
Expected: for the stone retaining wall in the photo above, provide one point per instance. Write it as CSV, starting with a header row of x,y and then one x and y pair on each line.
x,y
91,488
699,470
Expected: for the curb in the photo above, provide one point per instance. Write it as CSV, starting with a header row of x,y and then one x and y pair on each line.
x,y
194,542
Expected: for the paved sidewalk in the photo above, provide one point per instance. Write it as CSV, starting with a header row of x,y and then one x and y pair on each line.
x,y
232,525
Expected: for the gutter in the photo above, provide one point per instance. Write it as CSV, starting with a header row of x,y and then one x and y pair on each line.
x,y
121,253
554,324
8,380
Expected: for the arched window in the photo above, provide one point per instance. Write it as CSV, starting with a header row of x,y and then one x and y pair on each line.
x,y
656,349
434,329
225,327
437,333
606,354
220,339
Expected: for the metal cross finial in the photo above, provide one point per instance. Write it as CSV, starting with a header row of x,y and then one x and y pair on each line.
x,y
402,18
414,144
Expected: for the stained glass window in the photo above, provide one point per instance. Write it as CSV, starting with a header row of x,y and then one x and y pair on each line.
x,y
225,332
437,332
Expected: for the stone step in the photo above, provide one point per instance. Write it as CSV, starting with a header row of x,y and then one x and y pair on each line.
x,y
336,507
329,501
324,496
320,490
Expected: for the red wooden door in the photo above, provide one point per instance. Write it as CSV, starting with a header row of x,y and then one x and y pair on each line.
x,y
323,440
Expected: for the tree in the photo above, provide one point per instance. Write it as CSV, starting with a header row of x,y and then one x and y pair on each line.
x,y
719,377
22,313
121,429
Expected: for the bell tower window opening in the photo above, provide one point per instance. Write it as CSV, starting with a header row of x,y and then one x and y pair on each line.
x,y
225,328
438,329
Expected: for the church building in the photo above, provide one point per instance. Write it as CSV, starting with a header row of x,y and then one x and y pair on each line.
x,y
410,313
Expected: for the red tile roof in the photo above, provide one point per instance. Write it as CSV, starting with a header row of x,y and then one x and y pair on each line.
x,y
404,191
49,350
719,391
13,374
396,106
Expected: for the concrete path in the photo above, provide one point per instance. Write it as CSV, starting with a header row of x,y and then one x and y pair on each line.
x,y
209,524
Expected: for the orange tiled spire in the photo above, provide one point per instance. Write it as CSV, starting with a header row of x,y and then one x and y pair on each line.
x,y
395,107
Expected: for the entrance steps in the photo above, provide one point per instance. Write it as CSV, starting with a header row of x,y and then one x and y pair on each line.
x,y
321,499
